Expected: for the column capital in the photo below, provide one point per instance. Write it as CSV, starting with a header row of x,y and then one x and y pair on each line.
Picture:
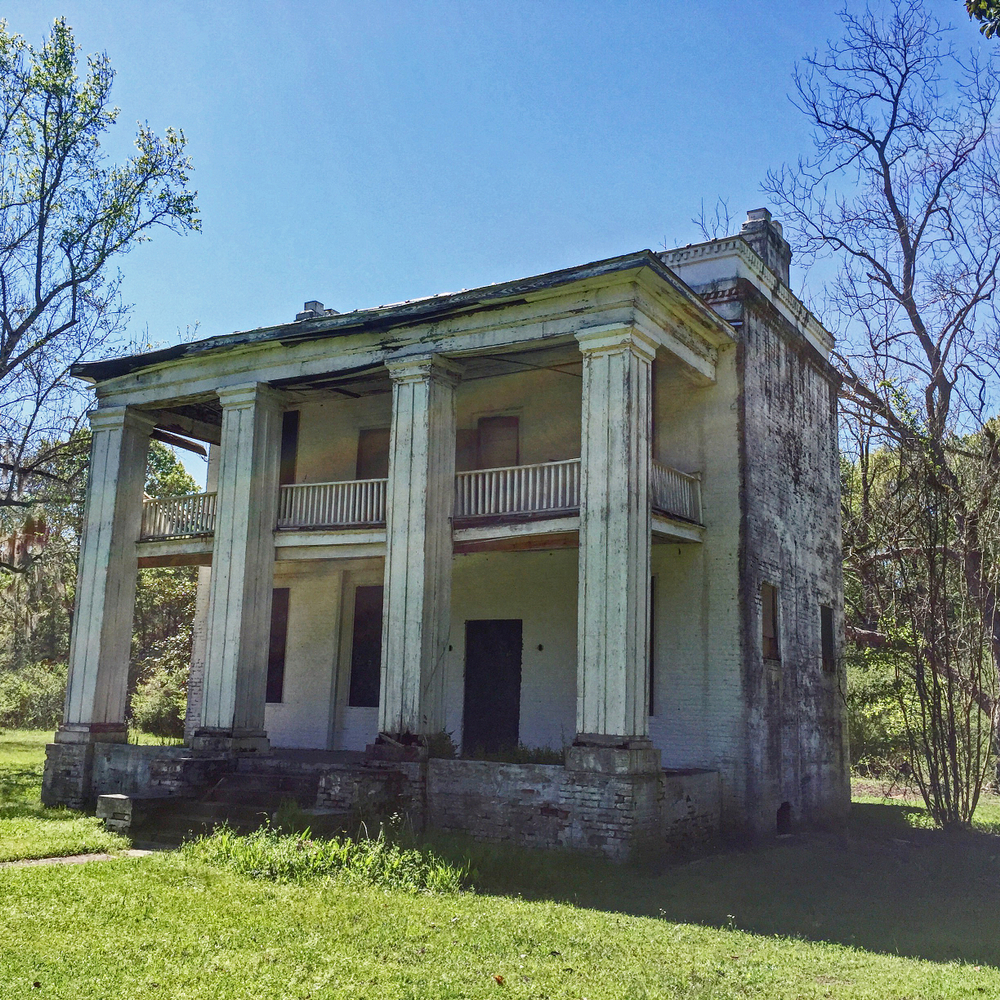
x,y
615,339
248,394
425,368
109,418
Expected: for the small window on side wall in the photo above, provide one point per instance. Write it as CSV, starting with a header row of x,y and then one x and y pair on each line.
x,y
770,640
827,640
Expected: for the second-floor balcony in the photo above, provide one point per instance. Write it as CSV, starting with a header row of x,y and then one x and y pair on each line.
x,y
545,490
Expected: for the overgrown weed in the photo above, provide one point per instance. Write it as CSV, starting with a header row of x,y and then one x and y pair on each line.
x,y
276,856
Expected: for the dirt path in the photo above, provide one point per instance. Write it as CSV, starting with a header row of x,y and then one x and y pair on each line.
x,y
73,859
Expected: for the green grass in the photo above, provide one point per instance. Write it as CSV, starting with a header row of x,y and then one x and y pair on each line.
x,y
170,927
27,830
888,910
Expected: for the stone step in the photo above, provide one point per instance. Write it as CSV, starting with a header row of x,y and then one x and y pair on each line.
x,y
266,791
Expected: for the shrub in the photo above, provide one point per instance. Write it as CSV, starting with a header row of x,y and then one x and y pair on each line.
x,y
31,697
879,746
160,701
280,857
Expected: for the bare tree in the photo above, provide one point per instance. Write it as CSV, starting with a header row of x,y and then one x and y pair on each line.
x,y
901,193
65,216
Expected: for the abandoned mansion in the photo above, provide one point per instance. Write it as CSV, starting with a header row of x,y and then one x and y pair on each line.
x,y
594,512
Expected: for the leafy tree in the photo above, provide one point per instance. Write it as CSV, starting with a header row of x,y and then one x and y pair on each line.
x,y
36,607
901,192
65,216
987,13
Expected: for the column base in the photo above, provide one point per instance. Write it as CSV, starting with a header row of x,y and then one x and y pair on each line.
x,y
625,756
207,740
92,732
398,747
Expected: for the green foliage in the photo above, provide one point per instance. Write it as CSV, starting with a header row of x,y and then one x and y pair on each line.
x,y
66,214
879,745
32,697
160,700
281,857
987,13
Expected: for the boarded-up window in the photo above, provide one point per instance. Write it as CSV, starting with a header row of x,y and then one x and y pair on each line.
x,y
498,442
827,640
466,449
373,453
289,446
769,622
279,639
366,648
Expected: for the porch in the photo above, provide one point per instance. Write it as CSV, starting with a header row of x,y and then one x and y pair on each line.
x,y
538,497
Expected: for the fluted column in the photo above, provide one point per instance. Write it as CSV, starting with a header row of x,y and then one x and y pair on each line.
x,y
242,577
106,577
420,500
613,610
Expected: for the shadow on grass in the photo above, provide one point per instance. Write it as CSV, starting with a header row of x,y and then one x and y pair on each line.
x,y
20,785
881,885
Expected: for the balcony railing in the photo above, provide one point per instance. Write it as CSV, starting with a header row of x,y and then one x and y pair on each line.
x,y
548,488
675,492
178,517
332,505
519,489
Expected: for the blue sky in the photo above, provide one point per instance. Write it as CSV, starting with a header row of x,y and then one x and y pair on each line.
x,y
363,153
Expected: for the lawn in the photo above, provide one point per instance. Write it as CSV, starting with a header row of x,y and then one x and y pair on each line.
x,y
26,829
886,911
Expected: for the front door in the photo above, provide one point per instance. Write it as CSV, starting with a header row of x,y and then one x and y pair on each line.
x,y
492,685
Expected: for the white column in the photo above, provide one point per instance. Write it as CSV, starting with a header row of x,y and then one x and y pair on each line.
x,y
613,610
199,630
420,500
106,577
239,614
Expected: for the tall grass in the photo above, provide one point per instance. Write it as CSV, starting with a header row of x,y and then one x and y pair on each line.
x,y
295,857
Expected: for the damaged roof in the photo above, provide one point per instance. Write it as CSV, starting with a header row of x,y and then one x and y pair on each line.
x,y
385,317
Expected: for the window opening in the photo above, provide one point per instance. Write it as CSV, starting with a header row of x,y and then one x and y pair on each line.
x,y
278,642
498,442
373,454
770,643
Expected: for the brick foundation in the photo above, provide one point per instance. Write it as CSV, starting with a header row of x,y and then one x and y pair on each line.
x,y
603,801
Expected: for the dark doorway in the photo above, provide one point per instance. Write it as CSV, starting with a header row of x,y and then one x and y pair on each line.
x,y
366,648
492,685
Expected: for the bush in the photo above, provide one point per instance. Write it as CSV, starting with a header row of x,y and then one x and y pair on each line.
x,y
879,745
160,701
279,857
31,697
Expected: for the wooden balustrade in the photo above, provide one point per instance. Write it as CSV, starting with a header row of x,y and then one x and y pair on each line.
x,y
178,517
332,505
675,492
518,489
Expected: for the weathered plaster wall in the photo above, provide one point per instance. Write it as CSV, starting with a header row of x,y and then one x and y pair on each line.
x,y
797,751
540,589
302,719
546,403
698,715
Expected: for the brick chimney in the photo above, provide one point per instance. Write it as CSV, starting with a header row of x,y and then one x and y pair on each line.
x,y
764,235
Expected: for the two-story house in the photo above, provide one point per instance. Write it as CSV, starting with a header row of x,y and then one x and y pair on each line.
x,y
595,510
